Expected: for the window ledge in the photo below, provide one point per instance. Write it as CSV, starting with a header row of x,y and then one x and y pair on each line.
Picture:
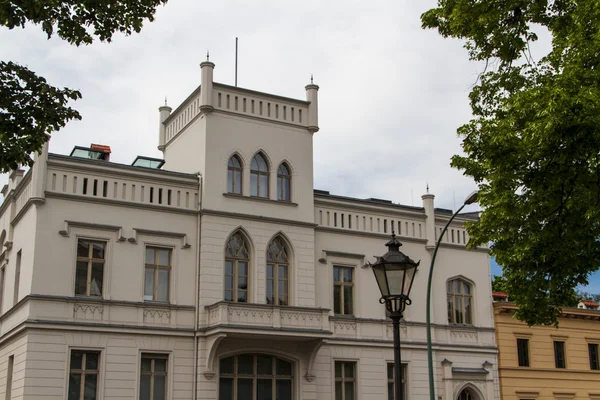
x,y
262,199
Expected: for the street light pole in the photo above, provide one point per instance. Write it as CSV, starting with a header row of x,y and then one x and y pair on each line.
x,y
472,198
396,317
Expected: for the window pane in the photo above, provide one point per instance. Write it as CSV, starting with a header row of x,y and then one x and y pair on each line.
x,y
74,386
160,365
348,370
81,277
338,369
284,390
467,301
348,300
283,272
283,293
347,274
150,259
89,392
264,389
245,364
228,267
160,387
349,391
98,250
286,189
164,257
279,188
284,368
270,271
390,371
264,365
145,387
242,296
466,288
457,286
264,186
91,361
244,388
336,274
238,182
242,268
96,283
228,295
253,185
337,299
226,365
226,389
228,282
458,310
149,284
230,181
146,364
76,359
83,248
450,319
163,285
338,391
390,390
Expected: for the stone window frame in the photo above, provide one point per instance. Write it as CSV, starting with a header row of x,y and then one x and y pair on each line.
x,y
355,379
471,296
527,336
233,170
105,267
158,267
101,367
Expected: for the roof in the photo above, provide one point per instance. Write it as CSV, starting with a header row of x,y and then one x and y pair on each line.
x,y
499,294
590,303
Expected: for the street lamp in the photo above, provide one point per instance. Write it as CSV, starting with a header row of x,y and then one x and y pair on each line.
x,y
394,273
472,198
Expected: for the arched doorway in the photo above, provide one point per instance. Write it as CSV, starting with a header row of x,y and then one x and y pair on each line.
x,y
255,377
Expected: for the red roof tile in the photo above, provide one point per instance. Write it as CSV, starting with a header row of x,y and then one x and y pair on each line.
x,y
499,294
590,303
105,149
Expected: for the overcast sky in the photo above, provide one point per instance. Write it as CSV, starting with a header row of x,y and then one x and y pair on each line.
x,y
391,94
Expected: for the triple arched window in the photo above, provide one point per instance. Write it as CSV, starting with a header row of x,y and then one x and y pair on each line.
x,y
460,301
259,176
234,175
237,271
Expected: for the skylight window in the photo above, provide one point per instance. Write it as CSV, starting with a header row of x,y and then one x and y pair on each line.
x,y
148,162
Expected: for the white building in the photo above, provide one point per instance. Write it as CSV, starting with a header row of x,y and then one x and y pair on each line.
x,y
223,274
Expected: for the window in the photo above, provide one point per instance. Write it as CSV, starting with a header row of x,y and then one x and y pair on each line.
x,y
157,274
277,273
90,267
153,379
559,355
345,380
284,179
17,278
83,375
342,290
2,288
234,175
593,350
523,352
9,377
259,177
236,269
460,300
247,377
391,384
466,394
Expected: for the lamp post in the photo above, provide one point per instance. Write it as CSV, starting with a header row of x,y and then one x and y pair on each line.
x,y
394,273
472,198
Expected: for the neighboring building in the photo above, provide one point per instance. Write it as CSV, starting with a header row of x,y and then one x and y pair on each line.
x,y
499,296
222,274
545,362
588,305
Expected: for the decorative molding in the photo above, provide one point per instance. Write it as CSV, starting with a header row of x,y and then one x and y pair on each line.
x,y
141,231
157,315
468,335
88,311
66,231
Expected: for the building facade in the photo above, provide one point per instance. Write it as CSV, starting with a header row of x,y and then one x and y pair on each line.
x,y
223,274
545,362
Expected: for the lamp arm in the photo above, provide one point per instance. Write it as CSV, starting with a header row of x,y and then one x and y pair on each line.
x,y
428,311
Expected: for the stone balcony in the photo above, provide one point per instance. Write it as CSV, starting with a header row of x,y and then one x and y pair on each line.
x,y
236,317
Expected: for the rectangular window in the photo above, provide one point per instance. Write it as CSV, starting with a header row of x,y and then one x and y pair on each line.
x,y
594,361
17,278
2,288
153,379
89,273
157,274
523,352
343,287
9,377
390,381
345,380
559,355
83,375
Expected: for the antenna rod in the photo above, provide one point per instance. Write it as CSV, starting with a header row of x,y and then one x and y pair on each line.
x,y
236,59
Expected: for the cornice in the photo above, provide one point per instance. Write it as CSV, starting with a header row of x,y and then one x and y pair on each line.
x,y
260,199
367,234
371,206
228,214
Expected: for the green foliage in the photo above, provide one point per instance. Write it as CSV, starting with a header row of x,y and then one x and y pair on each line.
x,y
31,109
499,284
533,145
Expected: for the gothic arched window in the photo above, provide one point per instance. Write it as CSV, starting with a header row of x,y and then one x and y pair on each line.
x,y
234,175
460,301
277,273
236,269
259,176
284,183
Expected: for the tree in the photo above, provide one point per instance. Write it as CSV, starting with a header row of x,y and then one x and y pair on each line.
x,y
30,108
533,144
499,284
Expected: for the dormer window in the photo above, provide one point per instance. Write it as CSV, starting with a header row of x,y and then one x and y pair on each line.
x,y
148,162
284,183
94,152
259,177
234,175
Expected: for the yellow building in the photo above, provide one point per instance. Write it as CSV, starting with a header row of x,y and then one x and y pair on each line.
x,y
544,362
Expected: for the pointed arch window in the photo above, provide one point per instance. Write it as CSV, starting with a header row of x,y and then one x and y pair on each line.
x,y
284,183
277,273
259,177
460,301
466,394
236,269
234,175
